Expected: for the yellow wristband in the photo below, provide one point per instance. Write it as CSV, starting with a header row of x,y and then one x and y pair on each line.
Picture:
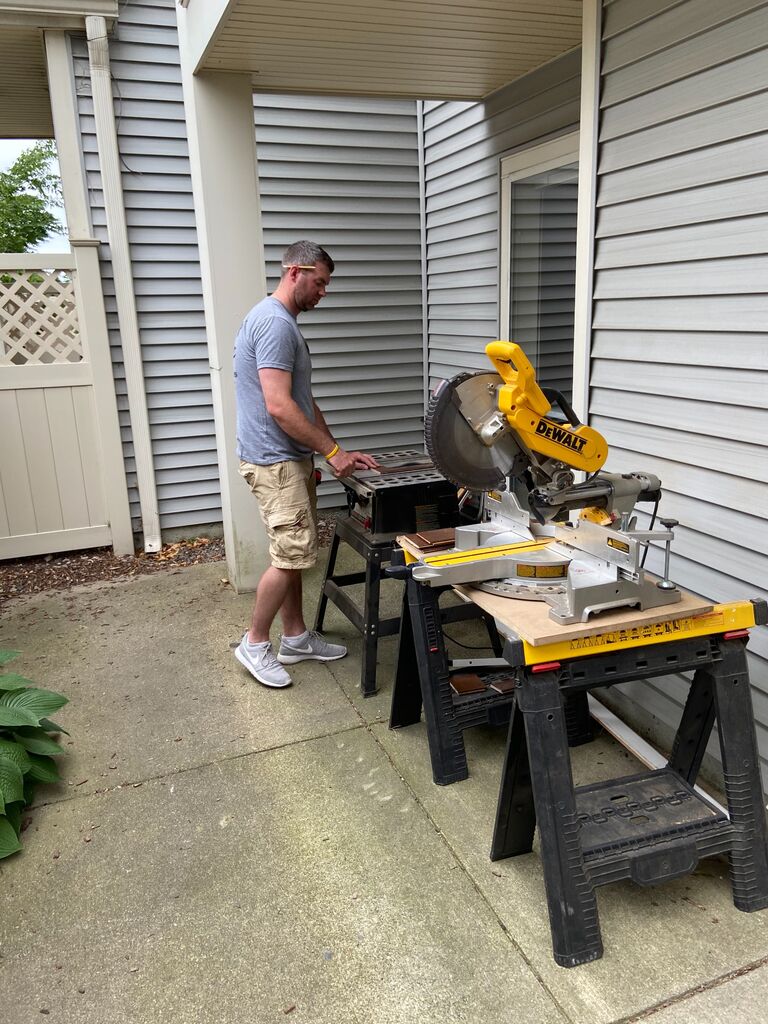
x,y
336,448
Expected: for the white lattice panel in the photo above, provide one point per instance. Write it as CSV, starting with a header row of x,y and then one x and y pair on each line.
x,y
38,318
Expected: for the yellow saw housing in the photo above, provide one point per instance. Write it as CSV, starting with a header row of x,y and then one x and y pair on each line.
x,y
525,407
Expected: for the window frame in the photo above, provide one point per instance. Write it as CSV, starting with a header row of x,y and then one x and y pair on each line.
x,y
523,163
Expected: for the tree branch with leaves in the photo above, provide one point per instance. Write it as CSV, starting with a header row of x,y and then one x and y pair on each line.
x,y
30,192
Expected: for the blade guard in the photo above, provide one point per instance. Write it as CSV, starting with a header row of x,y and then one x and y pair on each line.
x,y
525,406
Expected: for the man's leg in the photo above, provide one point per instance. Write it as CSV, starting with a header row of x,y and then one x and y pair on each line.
x,y
291,610
255,651
278,590
287,501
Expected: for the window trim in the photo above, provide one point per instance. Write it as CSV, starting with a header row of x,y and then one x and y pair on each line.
x,y
542,156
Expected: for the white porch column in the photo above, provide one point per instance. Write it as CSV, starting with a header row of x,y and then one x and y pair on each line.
x,y
222,151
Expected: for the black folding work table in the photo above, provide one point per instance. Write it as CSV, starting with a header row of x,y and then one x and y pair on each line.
x,y
648,827
406,494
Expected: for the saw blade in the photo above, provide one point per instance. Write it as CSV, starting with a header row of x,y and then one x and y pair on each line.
x,y
456,410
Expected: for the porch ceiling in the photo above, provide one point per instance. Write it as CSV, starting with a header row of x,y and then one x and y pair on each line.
x,y
25,105
442,49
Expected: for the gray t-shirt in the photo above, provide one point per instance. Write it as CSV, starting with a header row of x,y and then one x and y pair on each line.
x,y
270,338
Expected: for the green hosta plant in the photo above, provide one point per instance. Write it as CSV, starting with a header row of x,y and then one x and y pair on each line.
x,y
27,748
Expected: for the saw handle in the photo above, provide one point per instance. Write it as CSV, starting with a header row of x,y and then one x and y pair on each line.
x,y
514,368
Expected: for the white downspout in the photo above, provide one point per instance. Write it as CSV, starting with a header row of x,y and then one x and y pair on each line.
x,y
585,221
423,243
109,161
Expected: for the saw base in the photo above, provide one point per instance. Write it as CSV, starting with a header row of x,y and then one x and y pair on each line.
x,y
520,591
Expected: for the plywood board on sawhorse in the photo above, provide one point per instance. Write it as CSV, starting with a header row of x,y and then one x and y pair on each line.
x,y
531,622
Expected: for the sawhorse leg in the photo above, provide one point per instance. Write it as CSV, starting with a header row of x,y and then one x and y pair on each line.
x,y
722,690
427,647
515,812
406,694
695,727
540,777
741,773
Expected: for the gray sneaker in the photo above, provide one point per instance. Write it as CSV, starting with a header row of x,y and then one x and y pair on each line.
x,y
262,664
314,648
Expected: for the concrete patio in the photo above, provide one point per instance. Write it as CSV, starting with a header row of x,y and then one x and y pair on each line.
x,y
224,853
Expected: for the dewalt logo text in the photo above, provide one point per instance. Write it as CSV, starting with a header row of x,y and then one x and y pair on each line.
x,y
560,436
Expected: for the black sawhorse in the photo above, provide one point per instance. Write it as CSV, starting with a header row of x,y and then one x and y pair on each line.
x,y
649,827
376,549
423,679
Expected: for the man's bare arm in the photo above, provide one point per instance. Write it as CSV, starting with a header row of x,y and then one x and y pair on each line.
x,y
276,386
319,418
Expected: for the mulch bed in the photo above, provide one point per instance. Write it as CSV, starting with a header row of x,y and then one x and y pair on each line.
x,y
71,568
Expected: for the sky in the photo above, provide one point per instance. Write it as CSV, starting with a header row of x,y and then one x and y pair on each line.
x,y
10,149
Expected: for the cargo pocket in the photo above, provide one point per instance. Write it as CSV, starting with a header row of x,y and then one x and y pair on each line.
x,y
289,533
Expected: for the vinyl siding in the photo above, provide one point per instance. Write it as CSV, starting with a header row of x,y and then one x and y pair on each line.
x,y
149,112
463,144
679,371
345,172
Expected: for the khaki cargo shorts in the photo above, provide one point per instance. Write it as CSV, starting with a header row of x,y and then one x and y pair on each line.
x,y
287,501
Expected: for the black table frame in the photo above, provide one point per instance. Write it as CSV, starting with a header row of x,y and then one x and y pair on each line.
x,y
376,550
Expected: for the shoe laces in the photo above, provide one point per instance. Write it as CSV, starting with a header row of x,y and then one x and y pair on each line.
x,y
312,634
269,658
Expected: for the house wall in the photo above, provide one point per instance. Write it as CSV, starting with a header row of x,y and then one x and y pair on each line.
x,y
679,372
463,143
344,172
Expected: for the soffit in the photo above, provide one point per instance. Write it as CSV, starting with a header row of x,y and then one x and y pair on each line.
x,y
25,105
441,49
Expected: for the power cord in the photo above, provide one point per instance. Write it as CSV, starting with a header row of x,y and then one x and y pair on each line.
x,y
648,543
467,647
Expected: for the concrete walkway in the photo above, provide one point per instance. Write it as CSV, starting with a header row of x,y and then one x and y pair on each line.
x,y
221,853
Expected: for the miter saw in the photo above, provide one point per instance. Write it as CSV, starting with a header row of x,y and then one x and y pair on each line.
x,y
493,433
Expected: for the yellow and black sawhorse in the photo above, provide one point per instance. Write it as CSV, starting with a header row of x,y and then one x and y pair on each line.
x,y
649,827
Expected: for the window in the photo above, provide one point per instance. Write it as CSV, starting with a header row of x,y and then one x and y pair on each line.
x,y
539,188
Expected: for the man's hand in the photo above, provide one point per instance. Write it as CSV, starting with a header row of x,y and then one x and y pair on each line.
x,y
345,463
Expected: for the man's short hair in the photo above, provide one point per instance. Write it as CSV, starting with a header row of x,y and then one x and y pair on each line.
x,y
306,254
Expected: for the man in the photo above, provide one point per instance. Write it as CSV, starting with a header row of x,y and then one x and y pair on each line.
x,y
279,428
